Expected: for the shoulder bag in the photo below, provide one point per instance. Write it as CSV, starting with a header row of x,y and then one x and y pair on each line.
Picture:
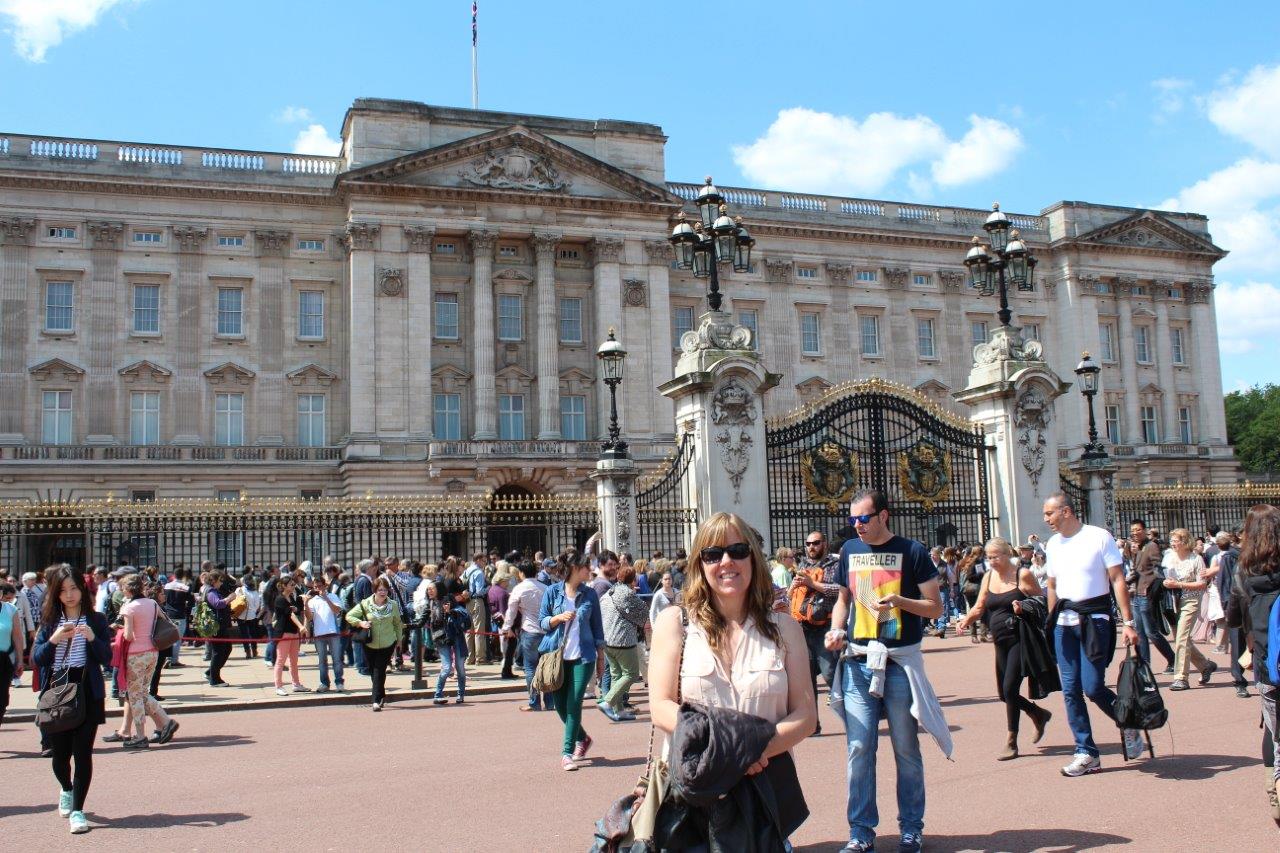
x,y
363,636
549,674
164,634
61,707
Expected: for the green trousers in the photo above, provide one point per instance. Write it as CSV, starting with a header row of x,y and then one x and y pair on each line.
x,y
577,674
624,671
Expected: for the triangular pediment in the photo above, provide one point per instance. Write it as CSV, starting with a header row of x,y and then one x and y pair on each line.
x,y
229,373
311,373
509,160
933,388
57,368
1149,231
512,276
448,379
1150,388
813,385
145,369
576,380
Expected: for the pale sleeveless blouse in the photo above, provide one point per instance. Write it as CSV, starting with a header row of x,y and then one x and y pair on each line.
x,y
756,684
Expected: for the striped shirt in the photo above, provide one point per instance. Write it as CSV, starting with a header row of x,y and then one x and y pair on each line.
x,y
77,656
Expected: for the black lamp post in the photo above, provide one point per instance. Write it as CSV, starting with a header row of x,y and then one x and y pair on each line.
x,y
1007,261
612,356
1088,371
713,240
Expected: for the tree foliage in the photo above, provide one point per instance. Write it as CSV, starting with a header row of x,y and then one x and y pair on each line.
x,y
1253,426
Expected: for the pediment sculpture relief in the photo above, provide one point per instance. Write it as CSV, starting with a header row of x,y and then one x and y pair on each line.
x,y
514,169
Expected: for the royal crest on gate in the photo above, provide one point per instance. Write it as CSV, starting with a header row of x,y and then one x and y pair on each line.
x,y
924,473
830,474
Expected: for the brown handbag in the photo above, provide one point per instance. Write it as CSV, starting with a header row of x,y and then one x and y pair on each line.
x,y
61,705
164,634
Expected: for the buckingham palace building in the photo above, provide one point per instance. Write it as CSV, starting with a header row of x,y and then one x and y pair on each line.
x,y
420,315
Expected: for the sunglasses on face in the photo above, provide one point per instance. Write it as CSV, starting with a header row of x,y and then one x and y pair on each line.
x,y
862,519
813,544
714,554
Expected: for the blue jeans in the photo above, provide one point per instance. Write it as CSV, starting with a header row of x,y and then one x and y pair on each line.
x,y
1145,623
861,713
181,625
348,649
451,657
941,621
270,654
1081,677
529,661
330,647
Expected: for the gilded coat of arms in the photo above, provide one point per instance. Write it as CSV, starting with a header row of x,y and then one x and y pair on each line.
x,y
830,475
924,473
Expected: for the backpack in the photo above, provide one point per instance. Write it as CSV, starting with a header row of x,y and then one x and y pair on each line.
x,y
204,620
1138,703
115,600
810,607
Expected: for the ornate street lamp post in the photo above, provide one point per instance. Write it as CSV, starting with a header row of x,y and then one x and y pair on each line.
x,y
1088,371
713,240
612,356
1007,261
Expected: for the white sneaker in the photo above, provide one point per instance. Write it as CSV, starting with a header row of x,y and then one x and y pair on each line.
x,y
1082,765
280,691
1134,744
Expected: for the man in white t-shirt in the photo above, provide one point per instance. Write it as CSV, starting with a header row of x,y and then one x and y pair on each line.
x,y
323,610
1085,568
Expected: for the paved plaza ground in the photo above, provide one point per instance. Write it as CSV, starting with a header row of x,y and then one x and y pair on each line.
x,y
485,777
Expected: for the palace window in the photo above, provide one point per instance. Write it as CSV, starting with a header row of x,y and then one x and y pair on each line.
x,y
228,420
510,317
230,311
867,275
749,319
508,251
311,430
55,424
1175,341
682,321
447,316
806,272
231,241
571,320
1142,344
1107,341
1031,331
511,417
921,280
978,331
59,306
810,333
62,232
573,418
151,237
311,314
447,417
146,309
924,338
1184,424
1111,423
446,248
869,325
311,245
1150,427
144,417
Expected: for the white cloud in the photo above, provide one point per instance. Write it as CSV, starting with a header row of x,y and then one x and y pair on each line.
x,y
1170,96
1247,315
988,147
38,25
1251,110
314,139
1242,202
293,115
816,151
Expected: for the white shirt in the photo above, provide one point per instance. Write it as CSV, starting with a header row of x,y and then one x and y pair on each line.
x,y
323,619
1078,566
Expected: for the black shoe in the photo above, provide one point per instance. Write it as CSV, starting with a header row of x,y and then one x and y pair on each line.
x,y
166,734
46,753
159,698
1168,670
136,743
1242,691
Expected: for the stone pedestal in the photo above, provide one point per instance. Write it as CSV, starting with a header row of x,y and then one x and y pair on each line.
x,y
1098,476
718,390
615,495
1011,392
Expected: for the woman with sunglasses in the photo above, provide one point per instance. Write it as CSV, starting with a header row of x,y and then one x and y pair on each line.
x,y
570,618
738,652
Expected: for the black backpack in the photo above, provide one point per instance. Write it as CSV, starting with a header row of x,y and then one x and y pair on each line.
x,y
1138,703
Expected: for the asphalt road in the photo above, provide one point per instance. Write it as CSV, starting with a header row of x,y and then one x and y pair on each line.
x,y
485,777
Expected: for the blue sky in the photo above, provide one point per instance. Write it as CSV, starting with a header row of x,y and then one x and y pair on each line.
x,y
1174,104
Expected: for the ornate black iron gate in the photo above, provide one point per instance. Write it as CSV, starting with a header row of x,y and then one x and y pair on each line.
x,y
666,506
877,435
1076,491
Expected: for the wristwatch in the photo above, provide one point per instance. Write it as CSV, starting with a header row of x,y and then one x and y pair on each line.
x,y
1129,623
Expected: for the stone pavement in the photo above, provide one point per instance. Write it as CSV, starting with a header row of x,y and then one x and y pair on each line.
x,y
253,686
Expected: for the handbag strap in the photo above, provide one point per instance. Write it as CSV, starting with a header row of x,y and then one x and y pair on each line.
x,y
684,637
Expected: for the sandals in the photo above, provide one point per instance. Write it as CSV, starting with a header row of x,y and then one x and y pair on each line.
x,y
113,737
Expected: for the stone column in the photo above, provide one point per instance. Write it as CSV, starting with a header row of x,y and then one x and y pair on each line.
x,y
190,400
1011,392
607,275
1076,304
1169,431
780,328
615,494
898,340
98,319
484,391
718,390
1131,429
418,242
958,350
1212,428
269,402
361,242
660,255
548,337
15,237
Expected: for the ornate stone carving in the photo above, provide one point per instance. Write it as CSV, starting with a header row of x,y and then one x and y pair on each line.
x,y
1109,500
16,230
514,169
1144,239
659,251
839,273
717,331
951,279
779,268
896,277
361,235
144,370
733,412
1200,291
544,244
607,250
106,235
924,474
1087,282
189,238
271,242
1031,418
419,238
482,242
1125,285
390,281
635,293
57,368
229,372
622,515
1006,343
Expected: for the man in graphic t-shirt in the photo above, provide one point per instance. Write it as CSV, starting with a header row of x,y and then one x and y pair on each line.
x,y
1085,569
889,589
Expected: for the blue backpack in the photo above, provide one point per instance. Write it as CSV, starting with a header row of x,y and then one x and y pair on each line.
x,y
1273,642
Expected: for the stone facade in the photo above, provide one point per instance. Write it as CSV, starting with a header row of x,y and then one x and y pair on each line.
x,y
421,313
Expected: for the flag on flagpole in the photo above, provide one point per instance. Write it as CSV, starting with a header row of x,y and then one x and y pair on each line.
x,y
474,10
475,66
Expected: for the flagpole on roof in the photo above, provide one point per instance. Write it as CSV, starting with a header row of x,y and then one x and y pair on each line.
x,y
475,67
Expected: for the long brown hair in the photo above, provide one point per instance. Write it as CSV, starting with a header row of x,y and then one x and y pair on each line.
x,y
974,555
51,612
700,600
1260,554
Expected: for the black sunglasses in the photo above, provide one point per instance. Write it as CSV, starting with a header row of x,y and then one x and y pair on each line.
x,y
714,554
813,544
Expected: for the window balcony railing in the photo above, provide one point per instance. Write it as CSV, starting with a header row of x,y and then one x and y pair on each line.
x,y
165,453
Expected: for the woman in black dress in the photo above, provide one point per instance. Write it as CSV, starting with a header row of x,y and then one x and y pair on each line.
x,y
1005,586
